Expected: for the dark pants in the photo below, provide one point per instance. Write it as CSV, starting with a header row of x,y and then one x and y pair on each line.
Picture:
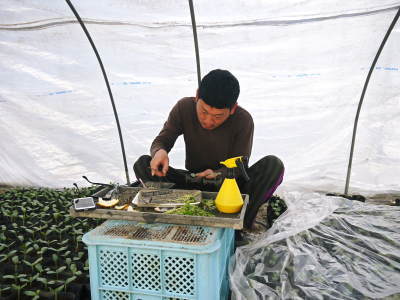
x,y
265,176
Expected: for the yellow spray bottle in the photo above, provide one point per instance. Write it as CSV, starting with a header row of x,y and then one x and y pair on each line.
x,y
229,199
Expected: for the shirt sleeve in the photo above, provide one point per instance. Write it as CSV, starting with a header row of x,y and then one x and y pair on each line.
x,y
169,133
243,141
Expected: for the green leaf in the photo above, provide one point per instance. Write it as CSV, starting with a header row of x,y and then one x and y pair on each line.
x,y
73,268
59,289
15,260
42,280
27,263
39,268
69,280
32,278
59,270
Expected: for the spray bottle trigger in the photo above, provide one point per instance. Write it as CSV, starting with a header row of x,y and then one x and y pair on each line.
x,y
242,170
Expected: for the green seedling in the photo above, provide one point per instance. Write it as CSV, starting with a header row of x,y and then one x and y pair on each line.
x,y
13,232
5,212
42,251
66,229
79,256
32,265
13,215
3,237
5,257
66,254
45,282
57,216
74,270
68,261
23,210
15,260
34,294
59,250
16,277
39,268
20,238
4,247
31,232
26,249
68,281
64,242
40,242
50,242
57,272
4,289
56,291
55,259
86,266
78,239
18,288
35,246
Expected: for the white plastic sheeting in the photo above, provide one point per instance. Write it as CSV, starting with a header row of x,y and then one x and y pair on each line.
x,y
301,64
322,248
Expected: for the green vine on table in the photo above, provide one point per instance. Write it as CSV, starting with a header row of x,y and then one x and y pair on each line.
x,y
206,208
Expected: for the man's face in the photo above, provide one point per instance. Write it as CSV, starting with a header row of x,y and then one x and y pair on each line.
x,y
211,117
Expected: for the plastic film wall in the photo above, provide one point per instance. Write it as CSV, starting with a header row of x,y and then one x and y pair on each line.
x,y
301,66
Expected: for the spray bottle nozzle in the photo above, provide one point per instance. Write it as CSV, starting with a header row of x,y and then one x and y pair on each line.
x,y
242,170
236,167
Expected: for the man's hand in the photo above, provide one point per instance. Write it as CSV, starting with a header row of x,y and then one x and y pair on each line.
x,y
209,174
160,163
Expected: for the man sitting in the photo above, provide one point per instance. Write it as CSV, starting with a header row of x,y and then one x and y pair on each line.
x,y
214,128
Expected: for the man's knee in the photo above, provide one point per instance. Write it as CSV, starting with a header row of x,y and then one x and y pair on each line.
x,y
141,164
272,160
143,160
271,163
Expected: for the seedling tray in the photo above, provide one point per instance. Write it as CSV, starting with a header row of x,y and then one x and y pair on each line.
x,y
234,221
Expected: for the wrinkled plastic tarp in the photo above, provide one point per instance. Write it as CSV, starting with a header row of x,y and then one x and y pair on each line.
x,y
301,65
322,248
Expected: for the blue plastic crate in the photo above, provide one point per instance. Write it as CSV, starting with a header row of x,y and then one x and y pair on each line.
x,y
132,261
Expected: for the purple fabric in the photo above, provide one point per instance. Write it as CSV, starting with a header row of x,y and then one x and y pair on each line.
x,y
269,193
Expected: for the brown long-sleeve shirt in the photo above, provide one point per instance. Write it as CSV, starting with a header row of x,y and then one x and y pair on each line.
x,y
205,149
